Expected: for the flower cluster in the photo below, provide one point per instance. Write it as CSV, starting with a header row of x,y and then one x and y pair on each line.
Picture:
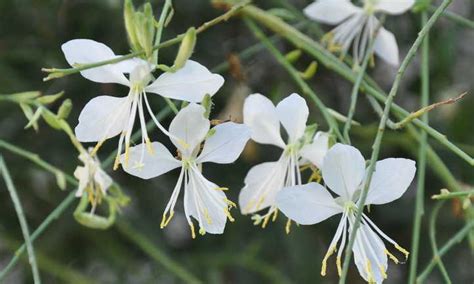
x,y
273,186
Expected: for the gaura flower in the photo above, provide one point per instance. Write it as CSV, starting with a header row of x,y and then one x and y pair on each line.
x,y
344,172
104,117
203,200
356,24
265,180
92,179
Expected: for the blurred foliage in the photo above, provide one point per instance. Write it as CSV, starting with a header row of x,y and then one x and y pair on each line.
x,y
31,33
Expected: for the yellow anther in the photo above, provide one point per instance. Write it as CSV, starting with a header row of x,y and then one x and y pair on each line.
x,y
193,234
202,232
339,266
148,146
257,219
96,148
288,226
275,215
116,162
383,272
391,256
266,220
127,154
325,260
402,250
222,188
229,216
230,203
166,220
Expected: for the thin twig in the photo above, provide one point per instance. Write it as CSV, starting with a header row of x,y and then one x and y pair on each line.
x,y
421,165
458,19
434,245
21,218
457,238
378,138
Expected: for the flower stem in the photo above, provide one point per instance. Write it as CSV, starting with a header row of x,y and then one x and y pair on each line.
x,y
451,195
21,218
161,24
378,138
421,177
295,75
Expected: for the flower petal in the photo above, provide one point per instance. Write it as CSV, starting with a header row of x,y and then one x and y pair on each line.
x,y
205,203
386,47
147,165
190,126
316,151
293,114
260,115
103,117
343,170
84,51
394,7
262,183
369,254
103,180
190,83
226,144
307,204
330,11
391,179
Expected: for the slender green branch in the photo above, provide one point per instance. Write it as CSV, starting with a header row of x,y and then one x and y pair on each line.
x,y
295,75
434,245
455,18
161,24
59,73
358,81
326,58
445,194
420,189
21,218
378,138
457,238
151,249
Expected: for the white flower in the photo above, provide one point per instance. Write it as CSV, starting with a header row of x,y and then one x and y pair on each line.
x,y
344,172
92,179
203,200
356,24
265,180
104,117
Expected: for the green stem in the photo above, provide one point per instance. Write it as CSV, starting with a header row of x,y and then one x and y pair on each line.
x,y
434,245
420,189
21,218
451,195
358,81
150,249
295,75
161,25
378,138
59,73
326,58
458,237
455,18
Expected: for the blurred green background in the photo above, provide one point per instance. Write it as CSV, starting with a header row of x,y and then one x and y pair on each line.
x,y
31,33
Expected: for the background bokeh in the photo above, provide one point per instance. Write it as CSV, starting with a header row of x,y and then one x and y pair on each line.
x,y
31,33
